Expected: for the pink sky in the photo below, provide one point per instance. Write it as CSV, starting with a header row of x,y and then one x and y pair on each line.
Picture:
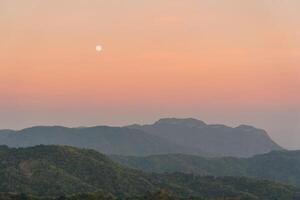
x,y
223,61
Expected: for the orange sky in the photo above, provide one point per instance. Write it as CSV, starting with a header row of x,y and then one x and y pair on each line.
x,y
224,61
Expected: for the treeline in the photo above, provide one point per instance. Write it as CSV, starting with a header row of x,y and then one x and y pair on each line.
x,y
159,195
52,171
281,166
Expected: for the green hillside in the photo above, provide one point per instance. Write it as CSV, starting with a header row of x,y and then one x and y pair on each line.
x,y
56,171
283,166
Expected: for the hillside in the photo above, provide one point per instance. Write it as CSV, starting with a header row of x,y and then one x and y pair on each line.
x,y
221,140
159,195
108,140
281,166
55,170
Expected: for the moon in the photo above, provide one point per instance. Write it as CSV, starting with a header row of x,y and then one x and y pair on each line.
x,y
99,48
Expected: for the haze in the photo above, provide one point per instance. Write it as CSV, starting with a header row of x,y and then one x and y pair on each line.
x,y
222,61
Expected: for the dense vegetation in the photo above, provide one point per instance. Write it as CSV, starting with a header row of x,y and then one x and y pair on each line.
x,y
283,166
159,195
57,171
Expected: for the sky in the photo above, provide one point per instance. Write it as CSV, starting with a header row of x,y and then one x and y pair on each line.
x,y
222,61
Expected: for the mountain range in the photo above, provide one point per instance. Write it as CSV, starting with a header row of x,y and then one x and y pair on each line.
x,y
220,140
49,171
166,136
105,139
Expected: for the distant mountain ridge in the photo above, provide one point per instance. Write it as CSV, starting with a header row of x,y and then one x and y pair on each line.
x,y
108,140
166,136
221,140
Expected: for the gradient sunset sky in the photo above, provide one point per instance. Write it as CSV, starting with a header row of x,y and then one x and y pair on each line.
x,y
222,61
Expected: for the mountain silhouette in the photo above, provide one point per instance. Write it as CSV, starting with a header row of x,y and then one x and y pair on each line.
x,y
221,140
108,140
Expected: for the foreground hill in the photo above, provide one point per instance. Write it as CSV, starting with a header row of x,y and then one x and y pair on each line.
x,y
55,170
108,140
281,166
159,195
242,141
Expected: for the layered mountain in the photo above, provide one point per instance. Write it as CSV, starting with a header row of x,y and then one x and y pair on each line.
x,y
108,140
166,136
62,170
220,140
283,166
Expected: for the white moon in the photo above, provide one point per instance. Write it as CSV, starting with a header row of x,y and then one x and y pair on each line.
x,y
98,48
